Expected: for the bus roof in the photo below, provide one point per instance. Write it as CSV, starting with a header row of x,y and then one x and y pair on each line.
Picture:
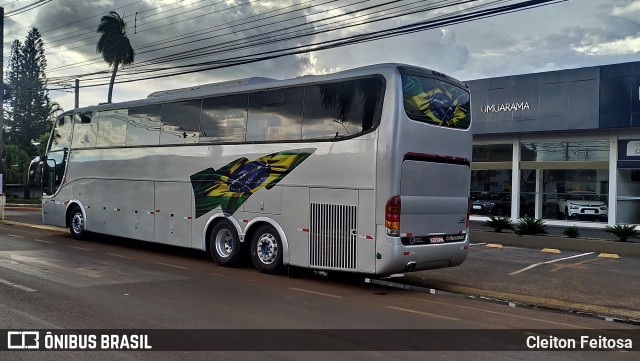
x,y
262,83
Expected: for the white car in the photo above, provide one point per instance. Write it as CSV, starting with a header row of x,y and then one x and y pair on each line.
x,y
582,204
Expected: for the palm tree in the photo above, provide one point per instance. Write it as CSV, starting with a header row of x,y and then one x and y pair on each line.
x,y
114,44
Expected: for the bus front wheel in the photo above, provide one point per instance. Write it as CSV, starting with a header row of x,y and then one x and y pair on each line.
x,y
76,223
266,250
224,244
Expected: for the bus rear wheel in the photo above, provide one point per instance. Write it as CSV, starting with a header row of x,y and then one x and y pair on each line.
x,y
266,250
224,244
76,223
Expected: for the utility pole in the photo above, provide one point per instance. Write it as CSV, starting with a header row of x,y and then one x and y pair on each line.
x,y
77,94
2,180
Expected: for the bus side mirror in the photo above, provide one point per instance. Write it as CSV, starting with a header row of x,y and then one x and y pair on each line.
x,y
33,170
49,176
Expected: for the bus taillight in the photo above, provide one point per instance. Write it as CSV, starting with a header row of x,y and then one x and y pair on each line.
x,y
392,216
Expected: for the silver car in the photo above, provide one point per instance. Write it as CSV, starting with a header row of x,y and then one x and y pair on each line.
x,y
582,204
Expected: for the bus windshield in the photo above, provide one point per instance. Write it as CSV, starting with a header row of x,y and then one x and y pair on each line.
x,y
436,102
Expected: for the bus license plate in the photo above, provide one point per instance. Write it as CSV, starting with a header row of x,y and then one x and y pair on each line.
x,y
436,239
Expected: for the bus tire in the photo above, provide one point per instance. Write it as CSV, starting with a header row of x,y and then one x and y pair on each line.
x,y
76,223
266,250
224,244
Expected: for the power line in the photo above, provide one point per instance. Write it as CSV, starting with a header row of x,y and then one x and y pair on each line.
x,y
350,40
27,8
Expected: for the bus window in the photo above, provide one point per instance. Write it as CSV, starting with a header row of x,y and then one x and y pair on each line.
x,y
341,109
275,115
224,119
112,128
61,138
143,125
84,132
436,102
180,122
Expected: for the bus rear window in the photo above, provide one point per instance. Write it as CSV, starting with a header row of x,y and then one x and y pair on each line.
x,y
436,102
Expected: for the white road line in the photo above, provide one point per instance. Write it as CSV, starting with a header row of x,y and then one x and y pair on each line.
x,y
552,261
119,255
14,235
18,286
501,313
84,249
171,265
39,240
424,313
314,292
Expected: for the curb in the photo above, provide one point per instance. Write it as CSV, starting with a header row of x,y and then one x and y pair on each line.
x,y
37,226
521,301
558,243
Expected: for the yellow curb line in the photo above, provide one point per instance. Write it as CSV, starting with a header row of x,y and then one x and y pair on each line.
x,y
493,245
550,250
48,228
608,255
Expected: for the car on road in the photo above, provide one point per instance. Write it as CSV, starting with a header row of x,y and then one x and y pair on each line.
x,y
582,204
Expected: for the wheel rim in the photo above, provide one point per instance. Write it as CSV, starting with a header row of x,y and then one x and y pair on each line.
x,y
224,243
77,223
267,248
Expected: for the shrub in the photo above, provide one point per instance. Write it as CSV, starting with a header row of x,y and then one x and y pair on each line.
x,y
498,223
623,231
528,225
572,232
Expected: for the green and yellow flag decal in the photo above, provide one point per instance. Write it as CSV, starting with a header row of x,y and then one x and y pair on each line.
x,y
230,186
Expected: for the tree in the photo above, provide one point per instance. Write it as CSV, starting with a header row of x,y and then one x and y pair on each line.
x,y
114,45
30,107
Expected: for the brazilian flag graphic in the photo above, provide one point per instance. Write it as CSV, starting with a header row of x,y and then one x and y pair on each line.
x,y
230,186
437,105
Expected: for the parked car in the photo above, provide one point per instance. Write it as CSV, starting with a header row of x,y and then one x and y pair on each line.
x,y
497,204
582,204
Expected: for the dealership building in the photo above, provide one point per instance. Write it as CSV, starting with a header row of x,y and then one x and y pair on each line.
x,y
561,145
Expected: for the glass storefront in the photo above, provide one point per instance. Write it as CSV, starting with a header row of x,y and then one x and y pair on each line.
x,y
491,179
557,180
565,180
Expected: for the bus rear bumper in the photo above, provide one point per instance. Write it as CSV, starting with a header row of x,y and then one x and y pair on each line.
x,y
394,257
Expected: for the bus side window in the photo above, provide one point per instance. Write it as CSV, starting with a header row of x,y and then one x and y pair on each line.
x,y
181,122
224,119
61,136
275,115
341,109
84,132
112,128
143,125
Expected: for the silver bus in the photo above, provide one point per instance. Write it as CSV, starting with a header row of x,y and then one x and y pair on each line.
x,y
365,170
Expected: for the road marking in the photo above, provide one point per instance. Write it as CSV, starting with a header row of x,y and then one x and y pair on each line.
x,y
119,255
494,245
501,313
314,292
171,265
423,313
39,240
550,250
14,235
84,249
547,262
18,286
608,255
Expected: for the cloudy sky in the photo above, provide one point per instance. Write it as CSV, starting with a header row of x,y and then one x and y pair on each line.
x,y
562,35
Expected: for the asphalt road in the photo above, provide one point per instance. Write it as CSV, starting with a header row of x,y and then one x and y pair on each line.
x,y
49,281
